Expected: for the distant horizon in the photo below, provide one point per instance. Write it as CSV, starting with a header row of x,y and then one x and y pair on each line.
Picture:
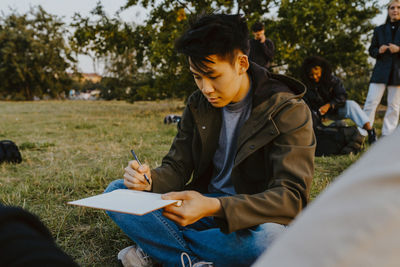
x,y
66,9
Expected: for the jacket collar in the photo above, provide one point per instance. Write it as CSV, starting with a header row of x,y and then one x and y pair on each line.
x,y
388,34
272,90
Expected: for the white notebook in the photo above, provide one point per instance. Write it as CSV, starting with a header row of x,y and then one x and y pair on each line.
x,y
126,201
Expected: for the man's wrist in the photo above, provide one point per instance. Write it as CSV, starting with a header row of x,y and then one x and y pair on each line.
x,y
215,207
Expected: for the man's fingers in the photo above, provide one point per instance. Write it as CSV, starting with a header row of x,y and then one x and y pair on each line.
x,y
137,167
176,195
134,164
135,186
130,171
174,217
175,208
137,179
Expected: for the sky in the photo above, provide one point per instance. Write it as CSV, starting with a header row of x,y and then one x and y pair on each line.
x,y
67,8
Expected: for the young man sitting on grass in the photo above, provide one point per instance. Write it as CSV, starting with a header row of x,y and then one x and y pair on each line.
x,y
242,161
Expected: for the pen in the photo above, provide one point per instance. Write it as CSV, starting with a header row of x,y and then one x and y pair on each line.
x,y
134,155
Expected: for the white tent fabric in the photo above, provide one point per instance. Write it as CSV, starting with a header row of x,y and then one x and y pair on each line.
x,y
354,222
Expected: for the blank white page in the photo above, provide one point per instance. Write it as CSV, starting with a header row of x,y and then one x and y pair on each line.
x,y
125,201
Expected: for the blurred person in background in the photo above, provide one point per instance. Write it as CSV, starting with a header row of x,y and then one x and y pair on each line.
x,y
262,49
354,222
327,97
385,49
25,241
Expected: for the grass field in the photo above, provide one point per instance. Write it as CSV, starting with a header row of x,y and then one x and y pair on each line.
x,y
73,149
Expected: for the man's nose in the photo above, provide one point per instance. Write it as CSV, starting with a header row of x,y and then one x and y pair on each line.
x,y
206,87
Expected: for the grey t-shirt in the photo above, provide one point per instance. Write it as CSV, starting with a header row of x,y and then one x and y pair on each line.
x,y
233,117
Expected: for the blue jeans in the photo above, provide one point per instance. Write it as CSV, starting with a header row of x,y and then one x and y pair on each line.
x,y
353,111
164,240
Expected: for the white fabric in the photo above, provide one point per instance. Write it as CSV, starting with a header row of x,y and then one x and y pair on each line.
x,y
134,256
354,222
375,93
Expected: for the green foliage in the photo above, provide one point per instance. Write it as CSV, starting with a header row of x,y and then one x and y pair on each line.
x,y
334,29
166,22
34,57
142,63
357,87
121,46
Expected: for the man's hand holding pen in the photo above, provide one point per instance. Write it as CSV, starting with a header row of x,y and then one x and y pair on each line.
x,y
192,207
134,176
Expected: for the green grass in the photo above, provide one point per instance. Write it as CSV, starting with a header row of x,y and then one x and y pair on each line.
x,y
74,149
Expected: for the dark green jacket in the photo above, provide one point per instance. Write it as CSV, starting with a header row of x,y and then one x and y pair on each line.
x,y
274,163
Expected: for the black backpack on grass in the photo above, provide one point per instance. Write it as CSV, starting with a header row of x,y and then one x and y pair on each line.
x,y
338,140
9,152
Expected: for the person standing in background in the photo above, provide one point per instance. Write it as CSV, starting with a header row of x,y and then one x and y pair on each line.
x,y
385,48
262,49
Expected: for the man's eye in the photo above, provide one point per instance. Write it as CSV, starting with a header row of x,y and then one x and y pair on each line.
x,y
213,78
196,77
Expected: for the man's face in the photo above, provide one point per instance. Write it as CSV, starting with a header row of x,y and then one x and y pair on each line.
x,y
223,83
315,73
260,35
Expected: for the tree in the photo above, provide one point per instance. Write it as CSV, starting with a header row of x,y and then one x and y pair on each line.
x,y
140,60
34,57
121,46
166,22
334,29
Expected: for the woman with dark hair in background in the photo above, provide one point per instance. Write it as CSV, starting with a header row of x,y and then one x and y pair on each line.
x,y
327,97
385,48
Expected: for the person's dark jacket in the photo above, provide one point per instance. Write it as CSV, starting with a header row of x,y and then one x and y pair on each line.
x,y
319,94
274,162
25,241
386,62
262,53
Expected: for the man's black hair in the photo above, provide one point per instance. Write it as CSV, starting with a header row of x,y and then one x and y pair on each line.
x,y
257,26
311,62
215,34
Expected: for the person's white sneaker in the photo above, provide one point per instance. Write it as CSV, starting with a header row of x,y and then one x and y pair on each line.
x,y
197,264
134,256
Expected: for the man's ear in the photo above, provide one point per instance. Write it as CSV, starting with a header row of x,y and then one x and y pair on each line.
x,y
244,64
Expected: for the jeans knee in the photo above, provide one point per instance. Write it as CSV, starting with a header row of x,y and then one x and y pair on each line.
x,y
114,185
351,104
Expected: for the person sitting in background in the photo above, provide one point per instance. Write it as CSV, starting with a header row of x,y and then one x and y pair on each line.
x,y
262,49
242,161
327,97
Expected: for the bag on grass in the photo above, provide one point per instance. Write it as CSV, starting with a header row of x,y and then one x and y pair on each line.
x,y
338,140
9,152
171,118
